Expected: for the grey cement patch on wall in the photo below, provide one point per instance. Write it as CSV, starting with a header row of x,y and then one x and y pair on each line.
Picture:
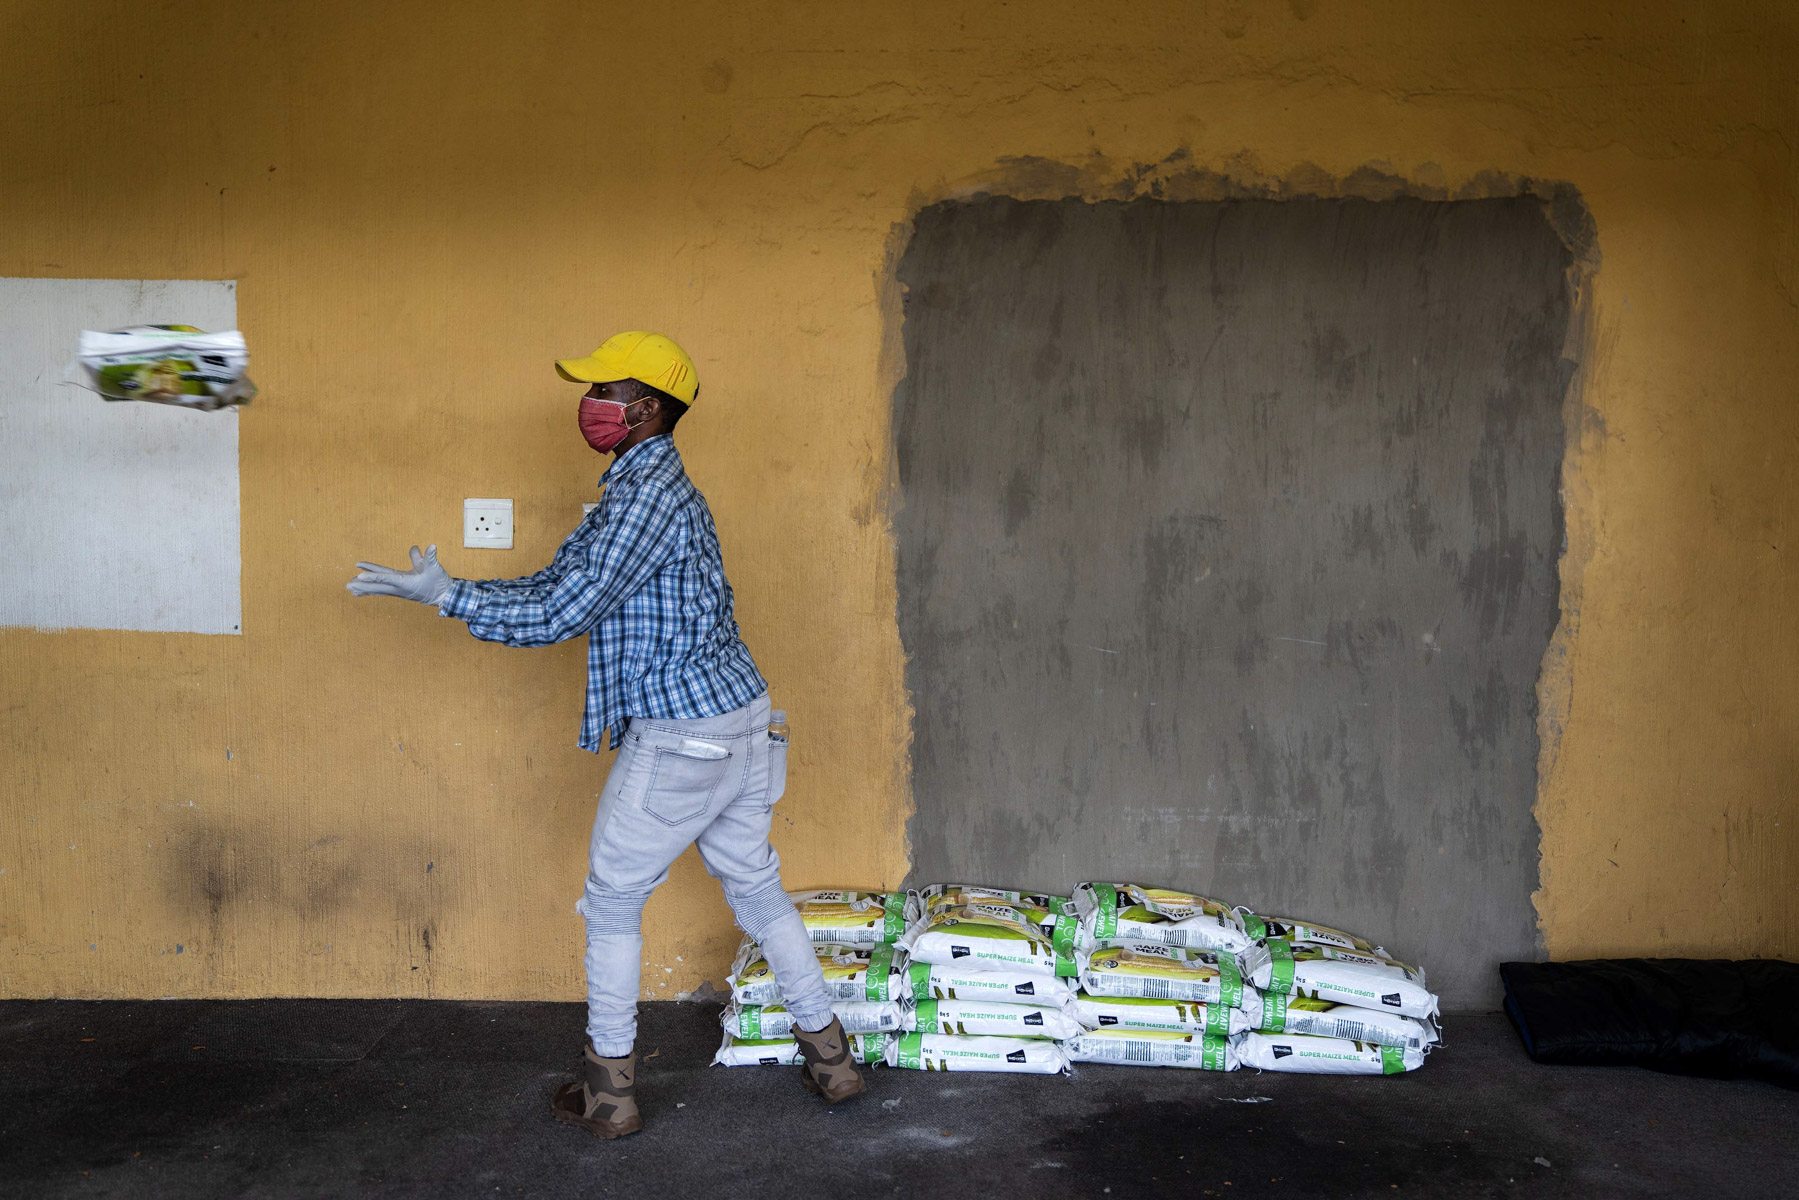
x,y
1227,554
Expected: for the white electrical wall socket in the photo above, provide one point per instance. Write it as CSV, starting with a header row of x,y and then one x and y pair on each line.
x,y
487,524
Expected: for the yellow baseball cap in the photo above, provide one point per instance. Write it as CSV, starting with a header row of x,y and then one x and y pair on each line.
x,y
646,357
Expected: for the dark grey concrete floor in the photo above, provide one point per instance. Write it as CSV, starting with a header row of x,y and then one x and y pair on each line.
x,y
440,1098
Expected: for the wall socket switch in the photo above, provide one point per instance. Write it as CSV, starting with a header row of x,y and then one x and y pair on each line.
x,y
487,524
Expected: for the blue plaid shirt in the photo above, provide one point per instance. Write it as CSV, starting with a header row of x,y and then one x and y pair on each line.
x,y
642,577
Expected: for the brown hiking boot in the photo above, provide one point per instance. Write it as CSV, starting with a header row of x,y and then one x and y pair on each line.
x,y
603,1101
829,1070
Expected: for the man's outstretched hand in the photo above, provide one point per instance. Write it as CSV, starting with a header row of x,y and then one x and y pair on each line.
x,y
427,582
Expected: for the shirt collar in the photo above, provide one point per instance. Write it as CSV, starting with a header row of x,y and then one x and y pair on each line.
x,y
641,457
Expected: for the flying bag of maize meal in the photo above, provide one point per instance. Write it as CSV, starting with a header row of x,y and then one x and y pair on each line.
x,y
1323,973
981,1018
759,1022
168,364
1323,1055
781,1052
958,937
1167,973
948,1052
935,981
1261,928
1153,1048
1280,1013
876,974
1127,912
838,918
1171,1016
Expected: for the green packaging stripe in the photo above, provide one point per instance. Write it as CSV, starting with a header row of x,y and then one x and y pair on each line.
x,y
1105,919
1230,981
894,922
918,980
1212,1052
1218,1021
927,1017
1392,1060
880,971
911,1051
1255,927
1274,1012
750,1023
1282,978
1062,937
1066,967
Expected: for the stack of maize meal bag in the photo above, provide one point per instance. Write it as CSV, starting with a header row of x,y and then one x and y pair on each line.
x,y
854,935
1175,979
963,978
1160,980
1332,1003
989,982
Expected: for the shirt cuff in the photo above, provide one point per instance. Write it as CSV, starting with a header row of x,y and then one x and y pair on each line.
x,y
463,602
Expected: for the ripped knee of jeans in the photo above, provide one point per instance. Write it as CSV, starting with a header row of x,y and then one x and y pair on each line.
x,y
611,914
758,911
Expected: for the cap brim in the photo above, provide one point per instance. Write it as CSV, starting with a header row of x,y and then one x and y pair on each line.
x,y
587,370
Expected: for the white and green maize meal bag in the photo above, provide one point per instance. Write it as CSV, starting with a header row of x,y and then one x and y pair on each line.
x,y
985,1018
954,895
1166,973
1281,1013
758,1022
1326,973
1323,1055
1153,1048
962,981
1043,913
982,938
1298,933
859,919
168,364
1112,913
865,1048
874,974
1168,1016
949,1052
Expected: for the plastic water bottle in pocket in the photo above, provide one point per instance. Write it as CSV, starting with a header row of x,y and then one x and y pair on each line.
x,y
777,755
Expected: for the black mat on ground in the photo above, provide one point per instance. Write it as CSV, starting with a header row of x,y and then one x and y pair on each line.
x,y
1688,1016
447,1100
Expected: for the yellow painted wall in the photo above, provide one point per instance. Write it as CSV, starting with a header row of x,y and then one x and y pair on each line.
x,y
425,203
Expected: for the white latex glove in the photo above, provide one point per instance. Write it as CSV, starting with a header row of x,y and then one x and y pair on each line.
x,y
427,582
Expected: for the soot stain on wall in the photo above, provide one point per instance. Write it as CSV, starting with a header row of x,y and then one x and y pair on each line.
x,y
1228,535
217,875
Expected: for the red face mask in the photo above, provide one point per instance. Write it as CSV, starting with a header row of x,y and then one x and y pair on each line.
x,y
603,423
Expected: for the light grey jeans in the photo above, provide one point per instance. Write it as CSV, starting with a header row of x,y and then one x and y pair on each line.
x,y
714,780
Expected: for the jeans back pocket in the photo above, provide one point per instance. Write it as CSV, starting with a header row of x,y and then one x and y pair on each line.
x,y
684,779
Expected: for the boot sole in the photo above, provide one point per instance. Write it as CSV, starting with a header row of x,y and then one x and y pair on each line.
x,y
572,1116
832,1097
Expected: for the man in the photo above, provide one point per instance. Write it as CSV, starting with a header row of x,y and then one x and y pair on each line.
x,y
688,711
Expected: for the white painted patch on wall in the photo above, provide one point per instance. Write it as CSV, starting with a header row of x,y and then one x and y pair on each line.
x,y
112,516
